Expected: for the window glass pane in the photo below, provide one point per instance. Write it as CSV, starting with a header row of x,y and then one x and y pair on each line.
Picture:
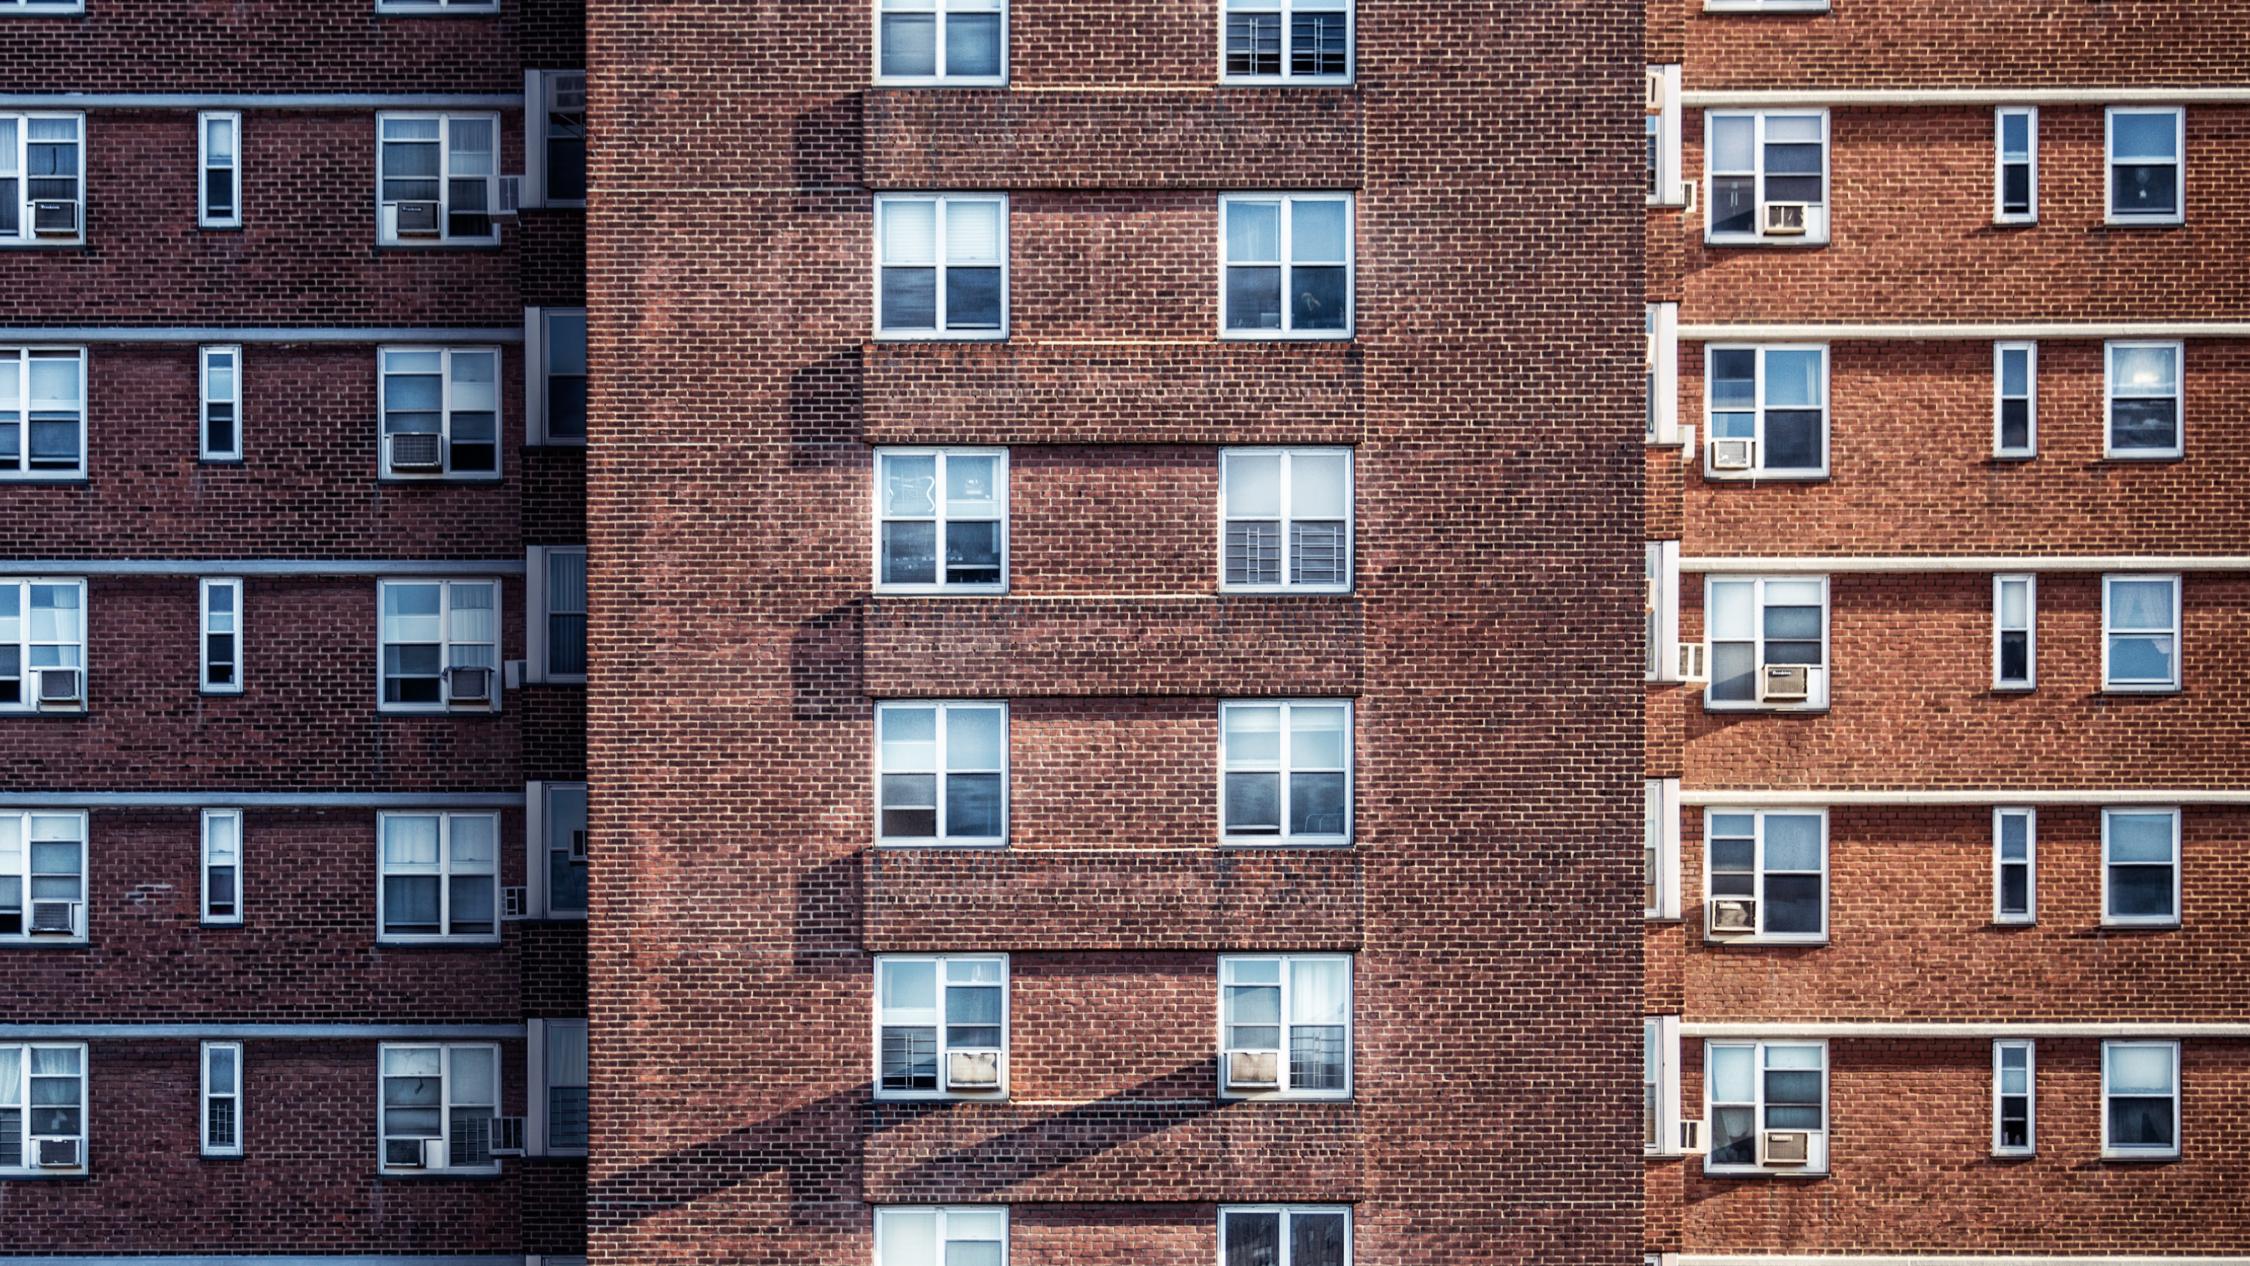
x,y
1319,992
2143,136
2144,371
1793,378
1316,737
909,738
1318,299
1253,737
410,841
1253,232
909,232
1253,484
2015,135
1732,1074
910,985
909,44
2140,1070
1318,231
1253,1239
473,1078
1792,842
972,44
1319,486
1316,1239
973,738
2140,604
971,487
972,232
2140,837
1733,614
473,844
1732,143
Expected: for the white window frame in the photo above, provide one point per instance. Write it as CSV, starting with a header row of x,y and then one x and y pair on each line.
x,y
445,644
1288,10
2179,865
1283,1089
1660,837
1660,1036
538,611
1759,471
445,472
942,965
210,1094
1288,265
446,1107
1660,626
2111,215
2000,397
2030,630
940,10
2001,814
82,917
939,518
445,120
1663,376
2030,1145
206,398
1816,1154
2178,447
540,88
1758,873
28,705
940,332
1287,1213
945,708
538,1117
444,872
2113,1151
234,818
17,360
2001,162
537,343
204,634
1285,838
204,167
40,8
1289,455
22,1094
541,818
2111,684
1817,216
1671,191
1816,699
943,1237
1765,6
437,8
25,238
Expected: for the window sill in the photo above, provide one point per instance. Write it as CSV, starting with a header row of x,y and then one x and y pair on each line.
x,y
2006,925
982,846
2139,925
1285,1096
2153,455
2003,688
1764,476
928,591
2014,459
236,227
1285,336
396,710
47,11
439,1175
1759,1171
56,245
45,943
214,692
1807,242
2140,691
220,1156
483,244
35,480
1769,942
427,481
1321,843
949,1096
449,944
45,714
1287,81
220,925
939,81
220,461
2141,1158
2145,222
1765,709
66,1175
1284,591
2015,222
941,336
2014,1156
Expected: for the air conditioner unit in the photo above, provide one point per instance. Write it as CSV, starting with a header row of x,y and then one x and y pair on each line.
x,y
1784,683
467,685
1689,664
411,220
416,450
1654,102
507,1136
1733,454
54,918
55,217
1784,219
510,200
61,687
972,1070
1784,1147
58,1153
514,902
1253,1070
1691,1138
578,844
1731,916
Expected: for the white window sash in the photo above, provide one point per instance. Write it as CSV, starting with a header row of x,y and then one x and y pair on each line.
x,y
1760,406
1662,827
205,164
1759,1049
2110,630
1816,215
2001,162
2110,164
2000,397
941,13
2000,816
211,1094
446,410
936,1017
25,1138
1666,1030
940,517
2111,395
1760,871
1287,9
537,613
1288,1024
447,1107
1661,561
943,766
1286,1214
2001,585
1817,696
446,643
206,398
941,329
2117,1151
232,819
1664,375
232,586
25,643
539,1035
1288,264
2000,1048
1285,766
16,362
943,1235
2178,865
25,237
1671,191
1287,518
21,870
444,870
445,177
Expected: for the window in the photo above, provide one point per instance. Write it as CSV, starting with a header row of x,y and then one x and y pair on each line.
x,y
555,348
1765,6
2140,633
220,206
1285,1235
222,1099
222,866
1660,1085
556,99
941,1027
2015,658
563,1078
2015,865
42,1108
959,43
2140,867
1660,840
42,880
1768,175
410,7
1663,373
2012,1093
222,636
441,645
441,412
42,412
1661,123
2015,188
941,520
2015,399
1286,772
1778,863
2143,392
1768,641
441,879
11,8
42,179
942,773
221,369
1756,1090
1287,42
1767,410
1660,617
1285,1027
929,1236
2140,1100
941,266
2147,166
42,645
559,848
1287,265
439,179
557,624
439,1105
1288,520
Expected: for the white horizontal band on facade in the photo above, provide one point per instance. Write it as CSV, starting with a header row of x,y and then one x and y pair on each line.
x,y
198,334
251,1259
1819,798
478,567
261,101
1990,1259
2135,95
261,800
220,1031
1876,563
1981,332
1943,1030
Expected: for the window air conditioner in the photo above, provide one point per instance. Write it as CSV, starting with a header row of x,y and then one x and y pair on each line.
x,y
1731,916
55,217
1784,219
410,219
1733,454
1784,1147
1785,683
468,685
1689,663
54,918
1691,1138
578,845
510,200
416,451
507,1136
515,902
60,687
58,1153
972,1070
1654,103
1253,1070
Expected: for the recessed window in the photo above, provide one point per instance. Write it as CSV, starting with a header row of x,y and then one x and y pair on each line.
x,y
2143,390
2140,1100
1765,6
1663,373
563,1080
1768,642
220,204
1766,412
2015,400
1287,42
1767,1104
1285,1235
558,102
2014,632
42,179
441,877
1286,772
409,8
1661,124
438,178
2147,166
42,1109
562,851
222,1099
441,412
1767,876
42,645
941,520
42,878
1287,516
960,43
221,411
440,642
440,1103
2141,867
2015,865
2015,189
2012,1096
942,773
1660,614
941,266
1660,847
558,612
941,1027
222,866
2141,633
1285,1026
1768,177
40,8
930,1236
42,412
222,636
1287,270
555,342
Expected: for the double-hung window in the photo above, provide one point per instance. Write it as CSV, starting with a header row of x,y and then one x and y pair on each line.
x,y
441,877
2015,865
221,1124
222,866
441,412
1767,1105
1285,1026
2015,400
1285,772
1285,1235
2140,1100
941,266
2015,175
2141,633
941,1026
1660,121
1287,520
438,179
555,384
439,1104
2013,1093
2015,629
1767,412
2140,867
1775,864
1660,1085
555,102
42,412
42,179
2142,391
42,1108
1662,370
2147,165
219,200
558,853
926,1235
42,645
556,629
561,1073
1286,42
408,8
42,877
1768,177
1768,641
1660,614
941,43
941,773
1287,270
222,635
1660,846
220,404
440,645
941,520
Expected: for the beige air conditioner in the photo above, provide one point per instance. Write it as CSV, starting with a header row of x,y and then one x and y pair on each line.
x,y
1253,1070
1784,683
1733,454
972,1070
1784,219
1731,916
1784,1147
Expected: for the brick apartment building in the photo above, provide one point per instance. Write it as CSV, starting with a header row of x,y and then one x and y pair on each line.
x,y
1948,593
291,617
